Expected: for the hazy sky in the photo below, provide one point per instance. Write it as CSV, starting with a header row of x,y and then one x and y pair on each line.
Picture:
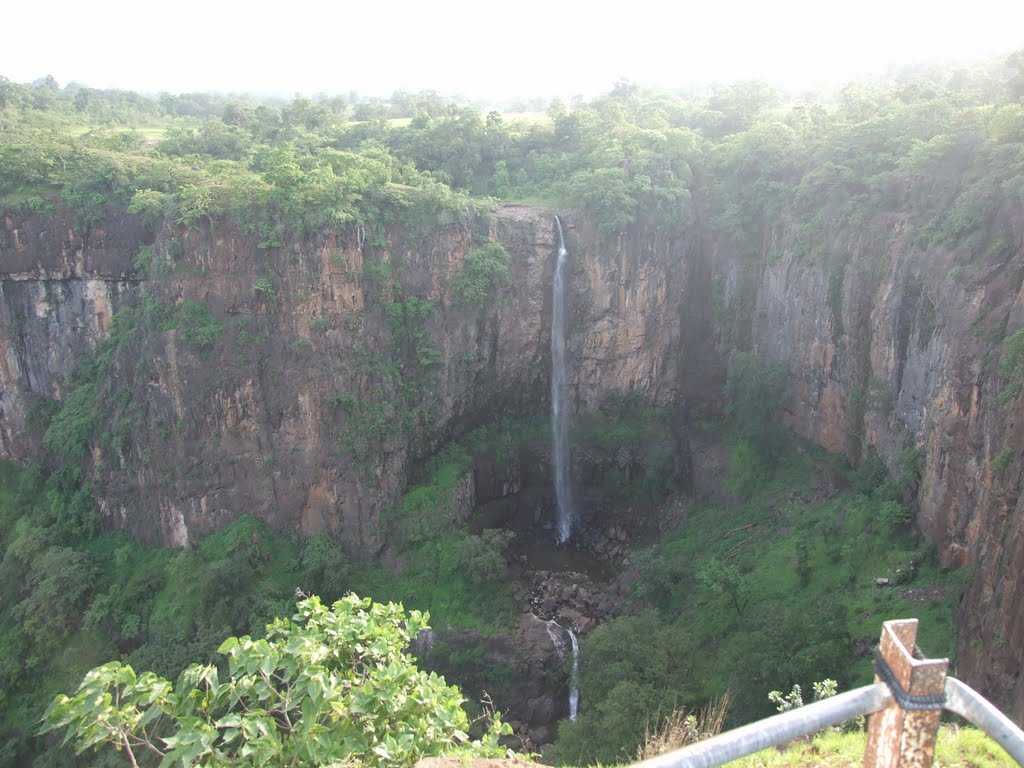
x,y
488,49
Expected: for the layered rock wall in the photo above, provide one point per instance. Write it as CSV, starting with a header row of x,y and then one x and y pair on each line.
x,y
895,347
890,346
301,412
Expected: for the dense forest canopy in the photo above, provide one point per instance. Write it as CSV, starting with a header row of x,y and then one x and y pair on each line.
x,y
307,164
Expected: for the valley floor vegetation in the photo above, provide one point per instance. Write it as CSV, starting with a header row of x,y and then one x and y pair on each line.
x,y
719,606
721,603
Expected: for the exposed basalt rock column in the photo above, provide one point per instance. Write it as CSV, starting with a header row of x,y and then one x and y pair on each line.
x,y
626,325
54,321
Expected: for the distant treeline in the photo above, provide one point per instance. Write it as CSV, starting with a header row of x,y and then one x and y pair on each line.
x,y
945,146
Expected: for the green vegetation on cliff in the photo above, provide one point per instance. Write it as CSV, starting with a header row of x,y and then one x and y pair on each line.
x,y
96,397
759,594
328,686
485,269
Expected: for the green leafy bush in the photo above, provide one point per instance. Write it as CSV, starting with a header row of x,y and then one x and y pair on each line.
x,y
483,272
377,270
72,426
725,580
367,424
1002,460
331,685
151,204
197,324
747,470
892,514
58,581
264,288
483,556
408,319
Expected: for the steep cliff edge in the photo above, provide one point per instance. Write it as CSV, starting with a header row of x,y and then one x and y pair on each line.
x,y
894,346
328,369
59,291
325,371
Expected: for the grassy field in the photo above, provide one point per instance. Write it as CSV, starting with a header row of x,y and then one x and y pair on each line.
x,y
957,748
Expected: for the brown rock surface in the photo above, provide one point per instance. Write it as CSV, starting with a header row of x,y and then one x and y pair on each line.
x,y
890,346
894,347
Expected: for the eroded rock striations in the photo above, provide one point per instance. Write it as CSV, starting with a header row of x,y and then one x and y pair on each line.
x,y
297,412
300,412
894,347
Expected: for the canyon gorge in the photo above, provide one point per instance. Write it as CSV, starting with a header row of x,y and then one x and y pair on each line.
x,y
888,346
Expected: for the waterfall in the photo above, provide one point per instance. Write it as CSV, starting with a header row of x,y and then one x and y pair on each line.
x,y
558,640
560,395
574,677
556,637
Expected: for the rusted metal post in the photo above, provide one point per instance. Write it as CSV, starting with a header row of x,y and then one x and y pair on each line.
x,y
903,734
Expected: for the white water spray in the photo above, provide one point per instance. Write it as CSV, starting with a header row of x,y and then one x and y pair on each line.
x,y
574,677
560,395
557,634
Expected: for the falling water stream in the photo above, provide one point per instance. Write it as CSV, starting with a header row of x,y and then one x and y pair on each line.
x,y
560,395
560,451
574,677
557,634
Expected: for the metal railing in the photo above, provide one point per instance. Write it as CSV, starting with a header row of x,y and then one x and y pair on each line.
x,y
963,700
905,704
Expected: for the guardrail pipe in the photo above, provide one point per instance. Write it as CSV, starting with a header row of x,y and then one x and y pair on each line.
x,y
963,700
905,708
775,731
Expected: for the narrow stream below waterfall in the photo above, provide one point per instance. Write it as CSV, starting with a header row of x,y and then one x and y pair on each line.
x,y
557,633
574,677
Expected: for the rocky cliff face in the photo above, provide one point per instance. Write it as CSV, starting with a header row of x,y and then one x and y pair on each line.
x,y
301,412
894,347
298,413
59,289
